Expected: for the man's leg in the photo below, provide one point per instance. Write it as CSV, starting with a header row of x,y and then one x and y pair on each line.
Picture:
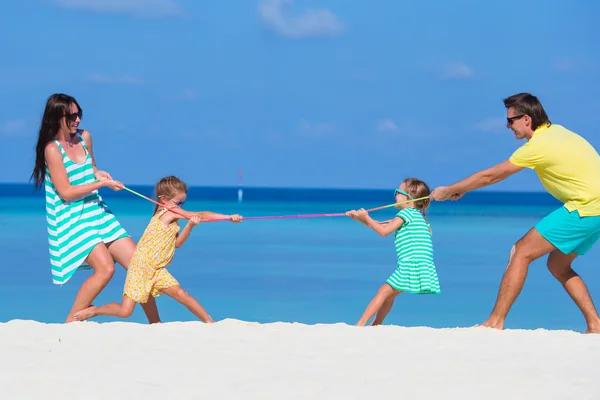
x,y
559,265
529,248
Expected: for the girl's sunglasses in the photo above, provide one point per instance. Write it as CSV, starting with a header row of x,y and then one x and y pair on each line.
x,y
178,203
398,191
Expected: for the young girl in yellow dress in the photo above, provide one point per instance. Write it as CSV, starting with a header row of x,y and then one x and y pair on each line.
x,y
147,273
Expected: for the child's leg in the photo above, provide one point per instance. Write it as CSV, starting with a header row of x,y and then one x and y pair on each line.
x,y
384,292
187,300
385,308
123,310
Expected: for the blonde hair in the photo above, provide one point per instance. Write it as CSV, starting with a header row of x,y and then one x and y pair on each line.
x,y
417,189
168,186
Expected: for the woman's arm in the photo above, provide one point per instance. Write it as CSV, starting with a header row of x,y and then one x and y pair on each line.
x,y
100,175
59,177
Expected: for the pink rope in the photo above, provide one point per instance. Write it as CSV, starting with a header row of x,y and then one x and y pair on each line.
x,y
271,216
279,217
299,215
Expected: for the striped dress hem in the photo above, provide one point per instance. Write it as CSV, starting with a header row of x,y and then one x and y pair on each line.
x,y
415,277
415,271
75,227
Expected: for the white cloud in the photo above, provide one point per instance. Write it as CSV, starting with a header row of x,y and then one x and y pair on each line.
x,y
387,125
187,95
457,70
116,80
318,130
277,15
137,8
491,125
564,66
13,127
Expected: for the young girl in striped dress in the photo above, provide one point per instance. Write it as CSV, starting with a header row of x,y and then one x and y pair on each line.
x,y
147,274
415,272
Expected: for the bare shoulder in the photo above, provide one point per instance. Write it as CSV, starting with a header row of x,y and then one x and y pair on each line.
x,y
86,135
168,217
52,150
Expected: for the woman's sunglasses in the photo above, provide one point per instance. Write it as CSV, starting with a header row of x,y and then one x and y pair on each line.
x,y
398,191
73,116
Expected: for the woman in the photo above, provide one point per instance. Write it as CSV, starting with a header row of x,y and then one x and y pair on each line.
x,y
82,231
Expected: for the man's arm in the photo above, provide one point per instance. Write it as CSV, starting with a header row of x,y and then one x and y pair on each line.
x,y
480,179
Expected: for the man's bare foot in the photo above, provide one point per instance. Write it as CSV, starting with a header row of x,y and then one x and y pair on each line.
x,y
593,328
85,314
490,323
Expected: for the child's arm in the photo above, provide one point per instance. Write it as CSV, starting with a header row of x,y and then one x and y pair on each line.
x,y
353,214
185,233
203,215
213,215
383,228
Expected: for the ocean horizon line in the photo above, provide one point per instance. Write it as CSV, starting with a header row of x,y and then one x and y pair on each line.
x,y
5,185
301,194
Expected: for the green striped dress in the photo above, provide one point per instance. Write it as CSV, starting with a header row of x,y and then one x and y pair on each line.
x,y
416,272
75,227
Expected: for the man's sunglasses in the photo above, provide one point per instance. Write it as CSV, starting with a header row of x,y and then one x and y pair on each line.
x,y
510,120
398,191
73,116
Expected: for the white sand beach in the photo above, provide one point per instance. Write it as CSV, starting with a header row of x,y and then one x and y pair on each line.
x,y
239,360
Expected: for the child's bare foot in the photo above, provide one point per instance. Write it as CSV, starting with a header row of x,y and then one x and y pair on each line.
x,y
85,314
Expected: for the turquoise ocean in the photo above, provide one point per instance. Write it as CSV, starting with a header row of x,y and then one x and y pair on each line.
x,y
319,270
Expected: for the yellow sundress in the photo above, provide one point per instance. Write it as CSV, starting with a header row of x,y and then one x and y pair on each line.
x,y
147,274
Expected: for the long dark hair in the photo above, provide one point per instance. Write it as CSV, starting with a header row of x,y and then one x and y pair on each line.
x,y
57,106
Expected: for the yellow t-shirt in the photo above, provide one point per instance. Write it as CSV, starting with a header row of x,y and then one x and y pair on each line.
x,y
567,165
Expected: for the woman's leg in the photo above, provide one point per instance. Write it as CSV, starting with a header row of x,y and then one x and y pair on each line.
x,y
123,310
122,251
385,308
102,263
191,303
382,295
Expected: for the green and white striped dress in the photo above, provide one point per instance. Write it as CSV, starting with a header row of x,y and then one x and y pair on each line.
x,y
76,227
416,272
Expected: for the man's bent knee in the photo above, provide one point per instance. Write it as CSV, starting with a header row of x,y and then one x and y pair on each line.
x,y
521,251
559,264
531,247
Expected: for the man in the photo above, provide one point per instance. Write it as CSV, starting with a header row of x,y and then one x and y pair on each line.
x,y
569,168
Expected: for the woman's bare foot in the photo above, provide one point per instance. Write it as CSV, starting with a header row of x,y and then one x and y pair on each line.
x,y
85,314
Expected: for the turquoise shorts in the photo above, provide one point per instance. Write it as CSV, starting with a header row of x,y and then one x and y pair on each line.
x,y
569,232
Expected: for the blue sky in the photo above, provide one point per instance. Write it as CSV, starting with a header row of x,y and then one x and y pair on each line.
x,y
298,93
